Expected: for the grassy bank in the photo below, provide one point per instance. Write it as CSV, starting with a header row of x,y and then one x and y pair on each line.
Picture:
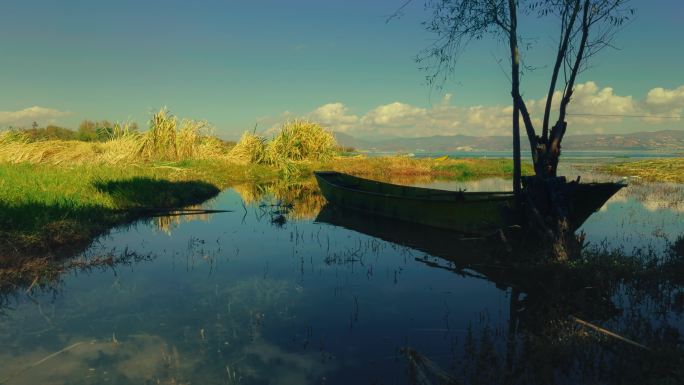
x,y
661,170
45,207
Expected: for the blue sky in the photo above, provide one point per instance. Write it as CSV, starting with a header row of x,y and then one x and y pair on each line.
x,y
235,63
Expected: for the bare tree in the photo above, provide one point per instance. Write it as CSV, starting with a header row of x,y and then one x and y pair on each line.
x,y
584,28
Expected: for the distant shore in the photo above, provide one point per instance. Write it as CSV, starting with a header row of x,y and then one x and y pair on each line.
x,y
617,155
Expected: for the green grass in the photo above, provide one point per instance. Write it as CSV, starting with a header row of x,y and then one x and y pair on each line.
x,y
482,168
44,208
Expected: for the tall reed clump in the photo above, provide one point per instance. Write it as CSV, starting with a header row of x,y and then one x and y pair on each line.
x,y
167,139
250,149
171,140
301,140
297,141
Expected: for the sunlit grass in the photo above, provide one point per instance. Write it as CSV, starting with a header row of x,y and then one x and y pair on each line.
x,y
662,170
250,149
296,143
43,206
394,167
167,139
301,140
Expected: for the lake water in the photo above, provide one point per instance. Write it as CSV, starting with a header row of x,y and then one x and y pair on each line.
x,y
266,294
574,156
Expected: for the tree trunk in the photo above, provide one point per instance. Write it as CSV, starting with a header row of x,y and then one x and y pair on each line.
x,y
548,196
548,152
516,152
515,93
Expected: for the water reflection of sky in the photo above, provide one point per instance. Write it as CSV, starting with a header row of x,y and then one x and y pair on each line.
x,y
232,298
235,291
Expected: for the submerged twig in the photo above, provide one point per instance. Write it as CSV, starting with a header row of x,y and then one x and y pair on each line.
x,y
177,213
33,365
419,364
161,210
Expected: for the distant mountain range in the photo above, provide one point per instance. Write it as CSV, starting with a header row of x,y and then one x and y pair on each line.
x,y
661,141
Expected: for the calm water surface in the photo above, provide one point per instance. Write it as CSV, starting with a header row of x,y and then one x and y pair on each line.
x,y
267,295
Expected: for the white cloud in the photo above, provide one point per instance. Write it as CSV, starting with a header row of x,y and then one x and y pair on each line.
x,y
449,118
393,114
588,98
334,116
663,102
661,98
26,116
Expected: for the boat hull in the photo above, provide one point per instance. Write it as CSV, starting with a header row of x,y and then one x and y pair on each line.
x,y
587,198
465,212
476,213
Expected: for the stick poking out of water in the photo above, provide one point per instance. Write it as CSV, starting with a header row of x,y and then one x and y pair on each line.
x,y
608,333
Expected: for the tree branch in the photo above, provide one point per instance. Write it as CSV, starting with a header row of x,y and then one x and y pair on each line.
x,y
561,54
529,126
569,88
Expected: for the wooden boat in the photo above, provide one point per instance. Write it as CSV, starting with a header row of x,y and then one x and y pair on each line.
x,y
466,212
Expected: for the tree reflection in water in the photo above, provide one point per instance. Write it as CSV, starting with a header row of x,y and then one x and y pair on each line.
x,y
604,317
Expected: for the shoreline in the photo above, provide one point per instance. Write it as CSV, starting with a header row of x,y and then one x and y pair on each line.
x,y
47,209
51,210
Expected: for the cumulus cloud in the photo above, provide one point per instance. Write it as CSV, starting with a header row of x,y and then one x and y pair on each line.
x,y
666,99
393,114
29,115
402,119
334,114
663,102
449,118
588,98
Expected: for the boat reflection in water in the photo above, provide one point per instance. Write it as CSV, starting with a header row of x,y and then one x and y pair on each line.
x,y
584,322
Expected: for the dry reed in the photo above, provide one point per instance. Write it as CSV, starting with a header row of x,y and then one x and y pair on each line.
x,y
296,141
250,149
166,140
301,140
